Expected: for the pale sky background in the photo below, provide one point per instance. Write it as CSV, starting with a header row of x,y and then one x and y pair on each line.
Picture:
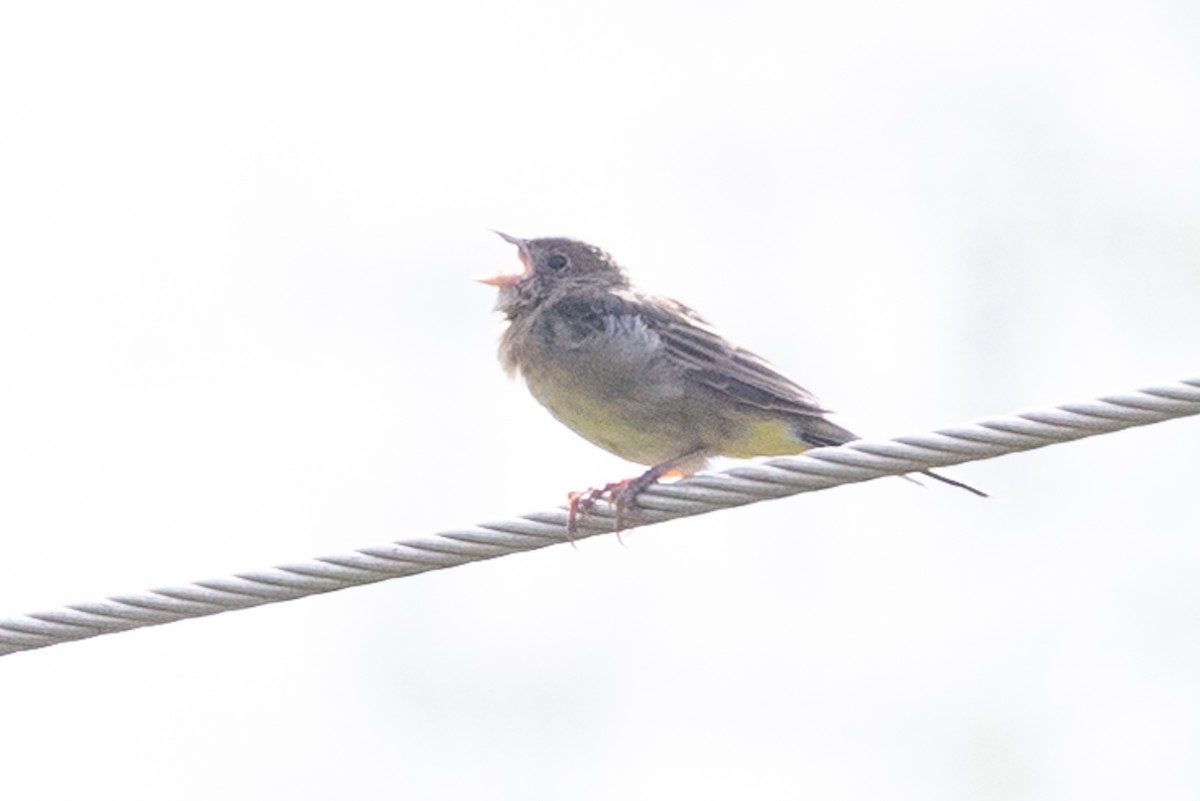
x,y
238,327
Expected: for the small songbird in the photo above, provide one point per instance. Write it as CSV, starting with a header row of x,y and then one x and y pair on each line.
x,y
644,376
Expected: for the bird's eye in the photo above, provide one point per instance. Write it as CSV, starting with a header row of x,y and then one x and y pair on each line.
x,y
557,261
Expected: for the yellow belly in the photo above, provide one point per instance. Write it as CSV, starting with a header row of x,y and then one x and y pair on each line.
x,y
760,437
640,432
651,430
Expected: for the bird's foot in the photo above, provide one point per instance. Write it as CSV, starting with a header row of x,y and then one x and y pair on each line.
x,y
621,494
617,493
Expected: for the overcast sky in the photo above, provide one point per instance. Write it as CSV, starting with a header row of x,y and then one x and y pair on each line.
x,y
238,327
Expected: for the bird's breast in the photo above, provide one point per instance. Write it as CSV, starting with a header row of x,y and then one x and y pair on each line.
x,y
611,383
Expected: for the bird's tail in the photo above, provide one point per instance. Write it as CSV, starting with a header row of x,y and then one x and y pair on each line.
x,y
821,433
953,483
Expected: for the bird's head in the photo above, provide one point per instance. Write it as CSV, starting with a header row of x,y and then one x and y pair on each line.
x,y
553,265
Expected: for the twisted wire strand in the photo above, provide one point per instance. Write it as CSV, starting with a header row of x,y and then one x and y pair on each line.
x,y
818,469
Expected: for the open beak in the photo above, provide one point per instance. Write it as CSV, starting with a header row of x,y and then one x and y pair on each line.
x,y
511,279
501,281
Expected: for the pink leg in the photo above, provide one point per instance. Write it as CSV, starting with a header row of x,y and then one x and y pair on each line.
x,y
623,494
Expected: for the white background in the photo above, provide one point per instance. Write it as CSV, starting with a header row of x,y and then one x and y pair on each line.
x,y
238,327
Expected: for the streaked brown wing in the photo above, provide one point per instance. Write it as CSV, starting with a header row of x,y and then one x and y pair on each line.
x,y
717,363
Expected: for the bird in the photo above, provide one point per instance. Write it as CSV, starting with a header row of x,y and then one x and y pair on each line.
x,y
642,375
